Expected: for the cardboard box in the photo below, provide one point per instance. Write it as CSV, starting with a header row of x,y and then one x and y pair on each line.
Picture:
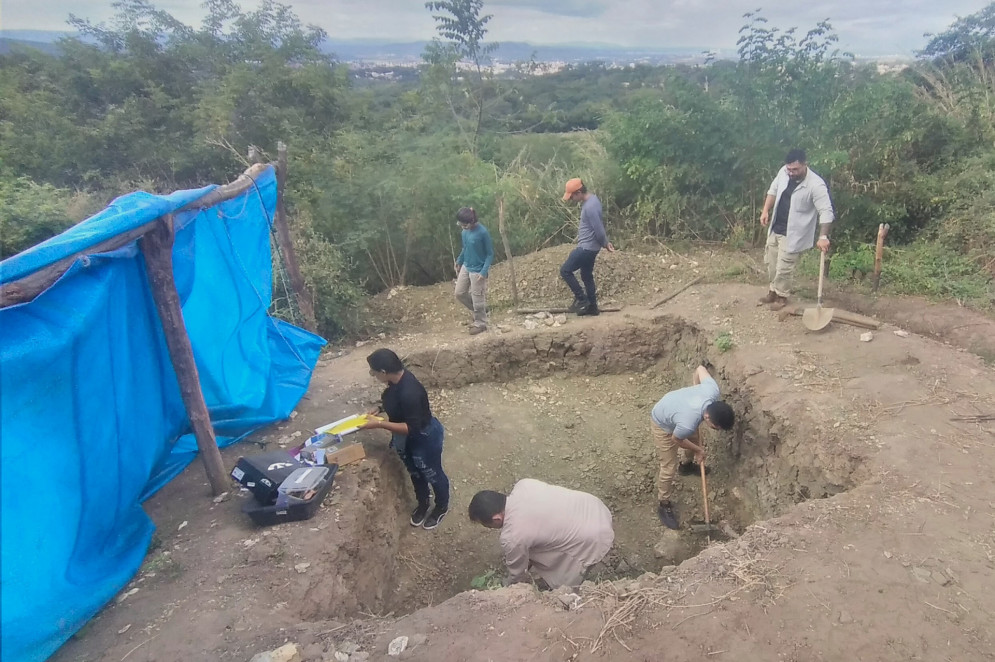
x,y
343,454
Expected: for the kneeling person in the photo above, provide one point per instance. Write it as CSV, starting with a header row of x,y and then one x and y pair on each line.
x,y
675,421
558,532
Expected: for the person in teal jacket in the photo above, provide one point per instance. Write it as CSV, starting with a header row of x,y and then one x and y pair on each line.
x,y
472,266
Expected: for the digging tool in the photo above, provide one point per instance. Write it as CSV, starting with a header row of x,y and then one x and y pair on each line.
x,y
818,317
707,527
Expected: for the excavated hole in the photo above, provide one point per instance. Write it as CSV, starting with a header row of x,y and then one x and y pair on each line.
x,y
572,408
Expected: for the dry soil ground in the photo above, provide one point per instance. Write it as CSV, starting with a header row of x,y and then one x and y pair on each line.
x,y
864,504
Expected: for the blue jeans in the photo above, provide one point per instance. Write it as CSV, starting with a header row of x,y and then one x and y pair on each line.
x,y
583,259
422,456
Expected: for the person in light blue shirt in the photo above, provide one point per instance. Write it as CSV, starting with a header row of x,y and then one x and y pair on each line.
x,y
472,267
675,422
591,238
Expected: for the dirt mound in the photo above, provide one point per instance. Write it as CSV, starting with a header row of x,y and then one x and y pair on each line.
x,y
634,276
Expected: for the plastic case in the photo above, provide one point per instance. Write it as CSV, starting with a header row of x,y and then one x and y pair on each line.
x,y
264,472
299,486
295,512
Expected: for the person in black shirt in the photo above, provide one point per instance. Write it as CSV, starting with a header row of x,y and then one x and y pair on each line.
x,y
416,435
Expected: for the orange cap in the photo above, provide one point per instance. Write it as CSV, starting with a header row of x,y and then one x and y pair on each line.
x,y
572,187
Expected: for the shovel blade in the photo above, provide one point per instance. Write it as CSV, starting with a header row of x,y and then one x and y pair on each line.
x,y
817,318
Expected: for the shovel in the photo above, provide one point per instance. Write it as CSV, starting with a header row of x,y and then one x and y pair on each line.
x,y
818,317
707,527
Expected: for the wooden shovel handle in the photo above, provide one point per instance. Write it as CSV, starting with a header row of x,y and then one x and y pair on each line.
x,y
704,493
822,274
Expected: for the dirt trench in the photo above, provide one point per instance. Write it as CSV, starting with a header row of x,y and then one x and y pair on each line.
x,y
570,405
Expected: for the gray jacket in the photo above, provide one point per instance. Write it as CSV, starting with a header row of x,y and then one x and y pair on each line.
x,y
810,207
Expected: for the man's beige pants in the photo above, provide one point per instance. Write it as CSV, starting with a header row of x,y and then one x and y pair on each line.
x,y
471,291
780,264
667,452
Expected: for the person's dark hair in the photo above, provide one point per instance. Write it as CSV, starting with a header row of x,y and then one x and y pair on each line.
x,y
384,360
721,414
466,215
485,505
583,188
795,155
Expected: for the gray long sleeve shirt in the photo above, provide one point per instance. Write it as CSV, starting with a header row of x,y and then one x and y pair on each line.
x,y
591,234
810,205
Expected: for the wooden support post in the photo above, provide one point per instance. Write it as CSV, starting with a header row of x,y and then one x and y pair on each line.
x,y
507,252
30,286
879,254
157,247
286,243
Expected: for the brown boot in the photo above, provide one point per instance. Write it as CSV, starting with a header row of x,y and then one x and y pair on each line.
x,y
771,297
778,303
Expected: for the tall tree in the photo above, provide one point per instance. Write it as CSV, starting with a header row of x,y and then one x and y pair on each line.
x,y
462,29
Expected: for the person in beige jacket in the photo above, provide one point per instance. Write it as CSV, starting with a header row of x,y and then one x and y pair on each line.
x,y
555,531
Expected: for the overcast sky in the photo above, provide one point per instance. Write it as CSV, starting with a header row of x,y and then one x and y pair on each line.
x,y
864,26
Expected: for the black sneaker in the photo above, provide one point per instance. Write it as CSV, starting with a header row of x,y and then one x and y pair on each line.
x,y
419,514
665,512
577,306
436,517
692,469
590,309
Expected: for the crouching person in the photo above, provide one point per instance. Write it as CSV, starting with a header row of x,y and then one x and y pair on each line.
x,y
557,532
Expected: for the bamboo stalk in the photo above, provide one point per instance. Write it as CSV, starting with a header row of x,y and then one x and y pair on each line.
x,y
507,251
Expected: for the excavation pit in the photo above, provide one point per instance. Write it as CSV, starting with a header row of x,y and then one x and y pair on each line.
x,y
571,407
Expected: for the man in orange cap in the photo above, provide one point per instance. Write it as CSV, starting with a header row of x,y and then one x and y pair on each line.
x,y
591,238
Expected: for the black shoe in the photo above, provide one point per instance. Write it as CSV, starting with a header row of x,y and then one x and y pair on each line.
x,y
692,469
577,306
665,512
436,517
590,309
419,514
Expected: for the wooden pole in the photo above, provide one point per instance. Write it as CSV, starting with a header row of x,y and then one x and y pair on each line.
x,y
157,247
33,284
670,296
879,254
283,238
507,251
839,315
557,311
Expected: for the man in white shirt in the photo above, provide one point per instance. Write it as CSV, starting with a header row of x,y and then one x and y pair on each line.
x,y
557,532
799,199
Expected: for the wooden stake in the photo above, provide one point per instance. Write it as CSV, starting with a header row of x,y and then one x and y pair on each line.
x,y
286,243
677,291
879,254
157,247
507,251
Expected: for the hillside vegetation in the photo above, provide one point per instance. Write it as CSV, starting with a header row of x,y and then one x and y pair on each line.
x,y
377,171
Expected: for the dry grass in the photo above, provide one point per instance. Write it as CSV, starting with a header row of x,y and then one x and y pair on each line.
x,y
744,566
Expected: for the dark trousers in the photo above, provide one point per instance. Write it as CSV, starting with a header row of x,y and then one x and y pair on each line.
x,y
583,259
422,456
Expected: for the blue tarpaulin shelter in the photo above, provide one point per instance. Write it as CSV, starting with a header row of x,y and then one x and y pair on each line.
x,y
91,419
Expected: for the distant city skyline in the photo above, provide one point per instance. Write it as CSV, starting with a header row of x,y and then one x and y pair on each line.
x,y
873,27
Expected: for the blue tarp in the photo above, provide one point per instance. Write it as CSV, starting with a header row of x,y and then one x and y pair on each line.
x,y
91,420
